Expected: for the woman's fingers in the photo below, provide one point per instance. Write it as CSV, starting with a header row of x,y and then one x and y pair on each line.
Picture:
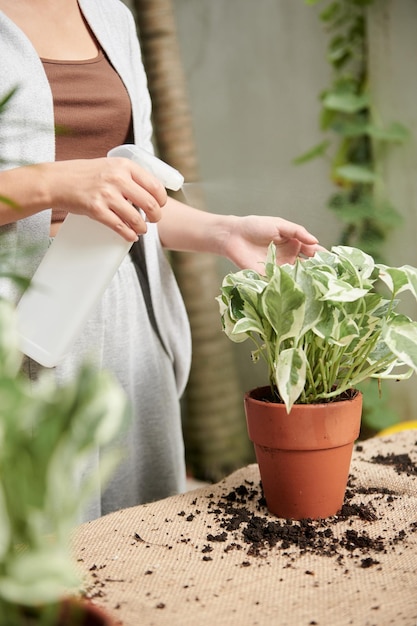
x,y
109,190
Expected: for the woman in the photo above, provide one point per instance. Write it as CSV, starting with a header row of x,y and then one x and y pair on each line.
x,y
76,69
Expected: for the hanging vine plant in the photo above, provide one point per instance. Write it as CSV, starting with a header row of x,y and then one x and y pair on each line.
x,y
349,121
353,136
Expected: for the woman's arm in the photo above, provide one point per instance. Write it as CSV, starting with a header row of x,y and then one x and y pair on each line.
x,y
243,240
103,189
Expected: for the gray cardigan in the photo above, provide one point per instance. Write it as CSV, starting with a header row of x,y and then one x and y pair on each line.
x,y
27,136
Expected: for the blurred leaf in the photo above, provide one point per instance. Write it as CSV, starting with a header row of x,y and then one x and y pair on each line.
x,y
376,413
330,12
350,127
6,99
316,151
356,174
395,132
327,116
8,201
346,102
364,208
339,50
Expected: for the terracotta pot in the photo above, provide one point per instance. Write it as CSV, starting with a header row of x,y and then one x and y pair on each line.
x,y
304,456
71,611
83,613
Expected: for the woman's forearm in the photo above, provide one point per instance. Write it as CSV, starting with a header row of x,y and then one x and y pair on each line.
x,y
184,228
23,192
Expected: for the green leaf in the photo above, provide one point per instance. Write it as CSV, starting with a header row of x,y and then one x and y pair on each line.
x,y
9,201
351,212
39,576
350,128
339,49
356,174
335,289
337,329
396,133
283,305
10,355
360,264
290,375
330,12
317,151
376,414
245,326
345,102
412,279
397,279
236,304
401,337
313,307
7,98
271,260
327,327
327,117
229,328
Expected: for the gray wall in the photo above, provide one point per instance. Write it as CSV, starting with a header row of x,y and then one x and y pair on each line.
x,y
254,71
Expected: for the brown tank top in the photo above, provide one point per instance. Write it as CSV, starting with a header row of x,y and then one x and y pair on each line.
x,y
92,110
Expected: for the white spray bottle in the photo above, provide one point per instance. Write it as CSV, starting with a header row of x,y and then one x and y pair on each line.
x,y
75,271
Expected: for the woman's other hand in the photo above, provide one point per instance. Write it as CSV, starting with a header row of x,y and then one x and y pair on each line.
x,y
247,241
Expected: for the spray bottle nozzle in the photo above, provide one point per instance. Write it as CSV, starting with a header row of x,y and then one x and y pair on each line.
x,y
169,177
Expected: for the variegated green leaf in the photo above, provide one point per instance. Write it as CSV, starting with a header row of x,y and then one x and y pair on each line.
x,y
396,279
271,260
361,264
229,328
399,279
412,279
341,291
283,305
290,375
245,326
325,327
401,337
314,311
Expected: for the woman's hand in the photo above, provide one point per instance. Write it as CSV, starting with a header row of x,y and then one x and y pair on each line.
x,y
108,190
105,189
247,241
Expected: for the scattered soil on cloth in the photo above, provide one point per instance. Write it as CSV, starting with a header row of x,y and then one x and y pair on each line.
x,y
358,536
241,528
258,533
402,463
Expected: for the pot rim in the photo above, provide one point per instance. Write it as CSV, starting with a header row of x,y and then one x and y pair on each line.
x,y
265,389
306,426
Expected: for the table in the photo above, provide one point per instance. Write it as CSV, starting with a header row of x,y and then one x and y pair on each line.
x,y
215,555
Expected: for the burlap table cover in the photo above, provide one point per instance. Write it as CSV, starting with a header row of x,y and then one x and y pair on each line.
x,y
186,561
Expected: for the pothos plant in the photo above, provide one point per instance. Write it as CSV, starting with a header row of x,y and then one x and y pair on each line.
x,y
47,434
320,324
